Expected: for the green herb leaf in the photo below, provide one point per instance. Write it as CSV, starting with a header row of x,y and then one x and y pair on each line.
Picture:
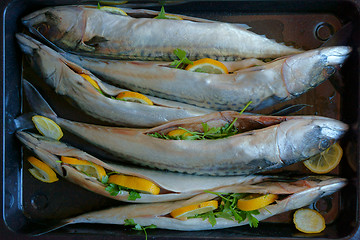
x,y
129,222
138,227
161,15
181,54
98,6
105,179
228,209
133,195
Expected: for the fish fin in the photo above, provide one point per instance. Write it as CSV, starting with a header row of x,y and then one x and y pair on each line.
x,y
288,109
36,101
49,227
23,122
95,40
83,47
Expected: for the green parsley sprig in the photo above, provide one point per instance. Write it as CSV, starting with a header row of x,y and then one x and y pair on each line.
x,y
161,14
181,54
208,133
228,210
138,227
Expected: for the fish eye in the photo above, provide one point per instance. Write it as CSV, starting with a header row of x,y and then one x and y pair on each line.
x,y
43,28
324,144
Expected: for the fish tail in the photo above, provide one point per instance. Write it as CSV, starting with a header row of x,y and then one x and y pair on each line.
x,y
37,102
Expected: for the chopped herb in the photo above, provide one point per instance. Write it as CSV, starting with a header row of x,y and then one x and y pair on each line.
x,y
115,189
138,227
181,54
228,210
59,161
105,179
208,133
133,195
98,6
161,15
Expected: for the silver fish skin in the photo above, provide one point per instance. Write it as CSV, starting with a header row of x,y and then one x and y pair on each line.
x,y
265,85
275,142
157,213
176,185
64,77
93,32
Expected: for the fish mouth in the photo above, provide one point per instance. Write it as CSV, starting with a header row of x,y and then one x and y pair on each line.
x,y
336,55
28,20
27,45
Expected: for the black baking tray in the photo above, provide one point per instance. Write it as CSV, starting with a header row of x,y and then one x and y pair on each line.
x,y
30,206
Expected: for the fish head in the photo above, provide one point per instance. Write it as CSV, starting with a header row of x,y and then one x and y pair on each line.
x,y
299,139
309,69
54,24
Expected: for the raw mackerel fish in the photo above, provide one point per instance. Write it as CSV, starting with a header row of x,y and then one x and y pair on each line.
x,y
263,142
93,32
64,77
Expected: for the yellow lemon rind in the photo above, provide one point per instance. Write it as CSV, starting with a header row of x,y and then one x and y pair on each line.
x,y
134,97
207,62
192,210
42,168
312,163
47,127
84,165
256,202
136,183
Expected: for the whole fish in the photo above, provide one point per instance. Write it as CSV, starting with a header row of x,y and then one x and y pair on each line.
x,y
264,142
174,186
295,195
64,76
94,32
265,85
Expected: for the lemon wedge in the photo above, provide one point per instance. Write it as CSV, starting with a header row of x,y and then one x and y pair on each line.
x,y
47,127
87,167
256,201
90,80
325,161
113,10
41,171
309,221
178,133
207,65
192,210
136,183
134,97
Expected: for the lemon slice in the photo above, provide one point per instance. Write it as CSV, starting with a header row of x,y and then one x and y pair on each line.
x,y
47,127
90,80
134,97
207,65
41,171
309,221
136,183
325,161
114,10
87,167
255,201
192,210
178,133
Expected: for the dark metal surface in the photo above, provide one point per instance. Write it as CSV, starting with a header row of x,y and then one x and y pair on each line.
x,y
29,205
